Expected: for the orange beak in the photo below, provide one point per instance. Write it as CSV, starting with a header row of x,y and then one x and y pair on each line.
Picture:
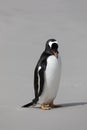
x,y
55,54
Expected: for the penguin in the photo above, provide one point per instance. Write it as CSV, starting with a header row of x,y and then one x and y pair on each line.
x,y
47,75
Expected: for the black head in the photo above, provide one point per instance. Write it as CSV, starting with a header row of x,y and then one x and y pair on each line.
x,y
52,46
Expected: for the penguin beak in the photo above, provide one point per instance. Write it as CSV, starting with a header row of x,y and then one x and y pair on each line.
x,y
55,53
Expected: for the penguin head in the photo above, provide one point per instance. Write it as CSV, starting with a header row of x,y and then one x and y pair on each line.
x,y
52,47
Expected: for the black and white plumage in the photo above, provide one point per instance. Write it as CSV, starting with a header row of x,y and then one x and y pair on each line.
x,y
47,75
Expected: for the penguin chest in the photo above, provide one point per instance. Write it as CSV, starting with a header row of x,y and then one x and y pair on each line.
x,y
52,78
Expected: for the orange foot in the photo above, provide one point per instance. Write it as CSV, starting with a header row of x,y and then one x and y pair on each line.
x,y
54,105
45,107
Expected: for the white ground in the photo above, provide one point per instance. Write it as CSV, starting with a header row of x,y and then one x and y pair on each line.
x,y
25,25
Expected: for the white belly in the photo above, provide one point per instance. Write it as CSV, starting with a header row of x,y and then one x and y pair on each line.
x,y
52,79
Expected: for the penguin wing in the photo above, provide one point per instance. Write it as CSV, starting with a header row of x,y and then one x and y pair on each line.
x,y
39,76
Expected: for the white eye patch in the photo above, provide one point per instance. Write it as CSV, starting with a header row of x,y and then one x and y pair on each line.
x,y
50,43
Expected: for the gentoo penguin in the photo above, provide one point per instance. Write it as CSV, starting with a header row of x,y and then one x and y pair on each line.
x,y
47,76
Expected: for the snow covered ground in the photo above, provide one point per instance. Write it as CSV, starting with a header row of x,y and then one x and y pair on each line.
x,y
25,26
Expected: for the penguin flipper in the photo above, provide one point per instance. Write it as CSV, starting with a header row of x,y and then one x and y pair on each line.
x,y
39,77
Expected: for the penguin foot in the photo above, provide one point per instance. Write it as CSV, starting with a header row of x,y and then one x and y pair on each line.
x,y
54,105
45,107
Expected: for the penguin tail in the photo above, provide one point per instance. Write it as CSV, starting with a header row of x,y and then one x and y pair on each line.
x,y
28,105
33,102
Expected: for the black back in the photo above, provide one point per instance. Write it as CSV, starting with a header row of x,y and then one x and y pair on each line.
x,y
41,63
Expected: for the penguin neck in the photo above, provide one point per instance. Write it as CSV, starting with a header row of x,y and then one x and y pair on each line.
x,y
55,54
48,52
